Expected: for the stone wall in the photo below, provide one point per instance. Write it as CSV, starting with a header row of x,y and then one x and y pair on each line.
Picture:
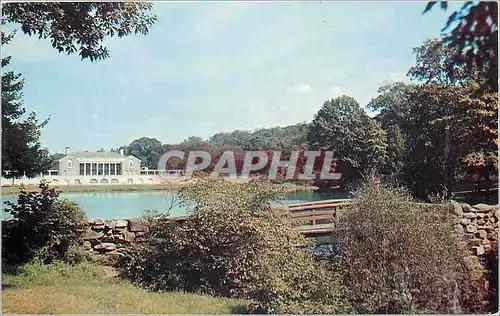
x,y
110,236
479,224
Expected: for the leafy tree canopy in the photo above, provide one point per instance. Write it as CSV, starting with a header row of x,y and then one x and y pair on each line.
x,y
80,27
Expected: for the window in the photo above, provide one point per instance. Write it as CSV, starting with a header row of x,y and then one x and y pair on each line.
x,y
119,169
131,164
87,169
112,169
106,169
99,169
94,169
82,169
70,164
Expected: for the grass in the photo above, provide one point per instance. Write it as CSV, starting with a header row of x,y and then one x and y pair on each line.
x,y
90,289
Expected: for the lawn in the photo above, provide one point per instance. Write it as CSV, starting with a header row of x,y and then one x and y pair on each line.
x,y
90,289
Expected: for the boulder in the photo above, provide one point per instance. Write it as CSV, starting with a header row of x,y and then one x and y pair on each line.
x,y
105,247
137,225
470,215
484,207
98,227
466,207
481,222
92,235
456,208
465,221
128,236
471,229
98,221
482,234
121,223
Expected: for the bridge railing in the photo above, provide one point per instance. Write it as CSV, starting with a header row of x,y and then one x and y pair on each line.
x,y
316,217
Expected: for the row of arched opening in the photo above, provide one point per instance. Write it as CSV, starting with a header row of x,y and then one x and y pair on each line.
x,y
106,181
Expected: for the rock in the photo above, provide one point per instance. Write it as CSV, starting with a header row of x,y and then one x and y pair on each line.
x,y
479,250
118,230
484,207
121,223
485,242
470,215
481,222
465,221
98,221
456,208
98,227
482,234
87,244
105,247
487,248
492,220
137,225
460,228
487,228
466,207
471,229
92,235
128,236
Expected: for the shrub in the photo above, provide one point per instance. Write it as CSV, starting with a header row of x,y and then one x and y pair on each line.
x,y
42,226
398,256
235,245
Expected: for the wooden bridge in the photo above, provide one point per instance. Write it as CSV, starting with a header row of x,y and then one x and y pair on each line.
x,y
313,219
316,219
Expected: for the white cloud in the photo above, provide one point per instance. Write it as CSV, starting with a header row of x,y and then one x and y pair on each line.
x,y
336,91
300,88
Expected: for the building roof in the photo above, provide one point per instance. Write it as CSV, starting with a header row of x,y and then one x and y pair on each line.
x,y
93,156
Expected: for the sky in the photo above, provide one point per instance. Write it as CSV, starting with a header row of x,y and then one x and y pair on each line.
x,y
209,67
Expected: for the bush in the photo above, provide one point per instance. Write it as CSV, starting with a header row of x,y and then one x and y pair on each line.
x,y
235,245
398,256
42,227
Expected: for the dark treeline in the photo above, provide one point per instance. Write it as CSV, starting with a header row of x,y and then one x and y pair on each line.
x,y
431,135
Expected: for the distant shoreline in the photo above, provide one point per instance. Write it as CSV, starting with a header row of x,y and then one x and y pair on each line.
x,y
15,190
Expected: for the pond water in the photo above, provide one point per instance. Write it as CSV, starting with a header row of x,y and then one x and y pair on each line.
x,y
114,205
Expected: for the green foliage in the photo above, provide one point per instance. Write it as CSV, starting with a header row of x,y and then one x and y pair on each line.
x,y
343,126
399,256
473,39
148,150
21,152
42,227
234,244
440,126
81,27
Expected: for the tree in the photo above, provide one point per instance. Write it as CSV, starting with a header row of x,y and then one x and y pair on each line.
x,y
440,125
21,152
149,150
343,126
474,38
80,27
54,160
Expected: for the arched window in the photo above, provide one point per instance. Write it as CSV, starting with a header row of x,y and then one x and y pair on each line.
x,y
70,164
131,164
